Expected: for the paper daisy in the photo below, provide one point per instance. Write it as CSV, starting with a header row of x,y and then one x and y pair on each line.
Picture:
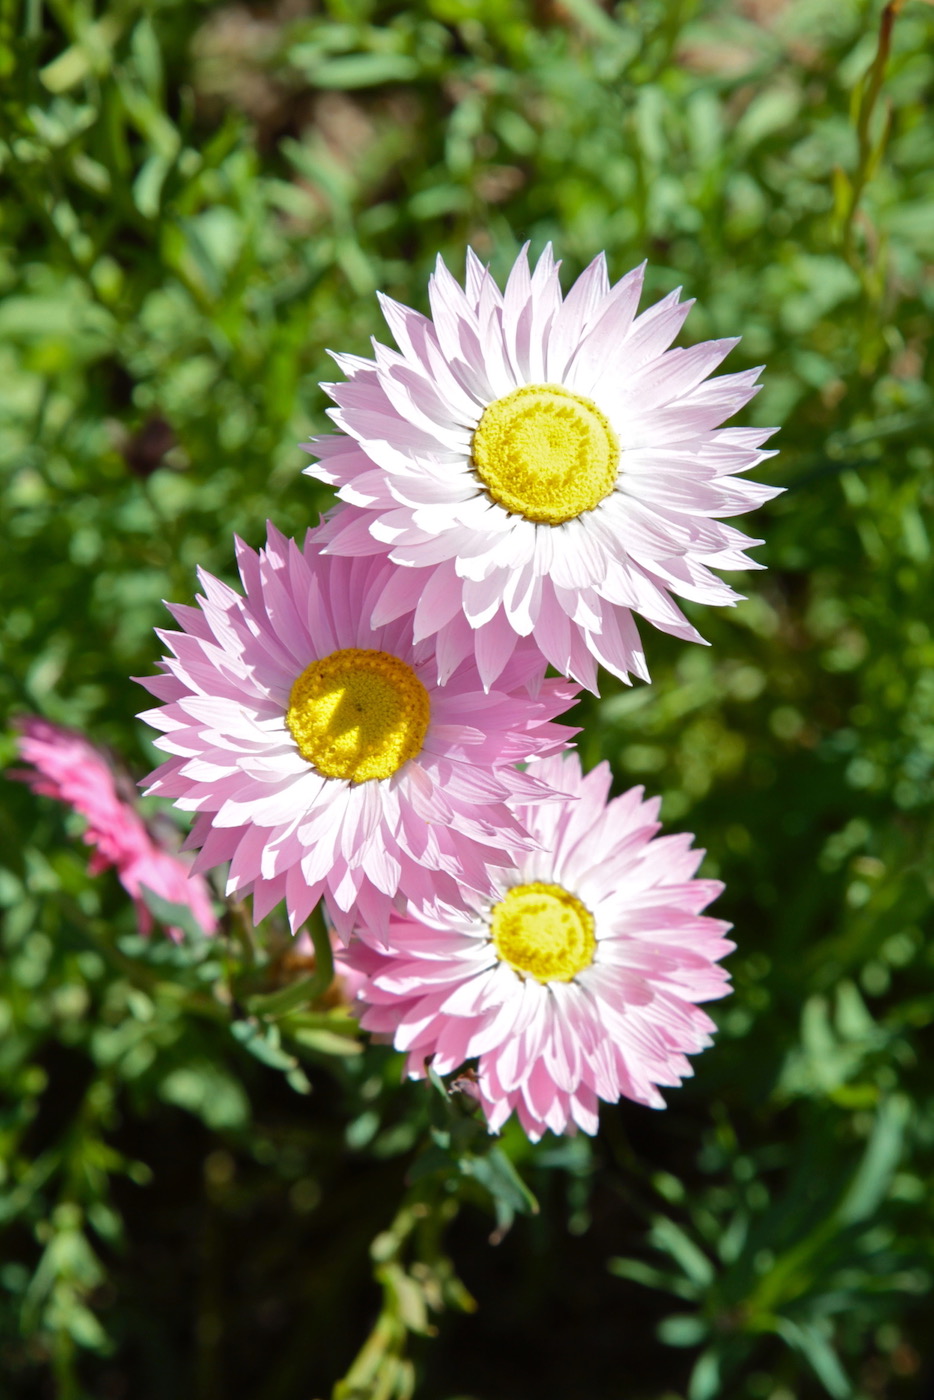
x,y
543,467
320,754
67,766
577,981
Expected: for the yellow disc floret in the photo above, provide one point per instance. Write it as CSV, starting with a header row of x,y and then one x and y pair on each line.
x,y
358,714
545,453
543,931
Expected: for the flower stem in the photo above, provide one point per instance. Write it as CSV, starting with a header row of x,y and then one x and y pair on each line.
x,y
307,988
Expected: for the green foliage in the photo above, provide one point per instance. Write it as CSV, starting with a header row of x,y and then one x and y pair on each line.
x,y
199,201
789,1265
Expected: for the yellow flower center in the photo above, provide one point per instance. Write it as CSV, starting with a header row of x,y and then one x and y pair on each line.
x,y
358,714
545,931
545,453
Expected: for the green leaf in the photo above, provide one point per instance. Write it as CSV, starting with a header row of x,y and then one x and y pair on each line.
x,y
172,915
807,1339
705,1377
357,70
327,1042
879,1163
683,1330
429,1162
265,1046
667,1235
206,1091
639,1272
496,1173
147,187
84,1327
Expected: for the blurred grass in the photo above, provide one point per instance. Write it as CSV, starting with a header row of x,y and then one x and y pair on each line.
x,y
197,202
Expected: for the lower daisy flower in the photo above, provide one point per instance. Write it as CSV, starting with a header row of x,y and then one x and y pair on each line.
x,y
320,754
576,981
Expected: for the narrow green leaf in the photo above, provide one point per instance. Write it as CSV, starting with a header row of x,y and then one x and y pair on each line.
x,y
496,1173
879,1162
639,1272
666,1235
705,1378
172,915
683,1330
820,1355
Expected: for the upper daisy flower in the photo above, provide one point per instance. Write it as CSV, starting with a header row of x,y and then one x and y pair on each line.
x,y
577,981
320,752
542,467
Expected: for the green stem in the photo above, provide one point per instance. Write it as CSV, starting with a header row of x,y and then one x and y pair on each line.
x,y
241,929
876,76
308,988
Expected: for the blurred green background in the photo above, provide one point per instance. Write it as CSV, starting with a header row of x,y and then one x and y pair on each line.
x,y
197,201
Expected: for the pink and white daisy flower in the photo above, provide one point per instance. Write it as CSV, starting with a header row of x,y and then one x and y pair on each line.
x,y
320,753
542,467
577,981
67,766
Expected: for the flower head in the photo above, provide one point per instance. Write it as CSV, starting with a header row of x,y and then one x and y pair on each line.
x,y
542,467
320,753
576,981
66,766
